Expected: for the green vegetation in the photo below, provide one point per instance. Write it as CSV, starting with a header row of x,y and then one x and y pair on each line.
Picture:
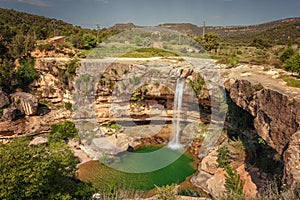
x,y
197,85
26,73
231,61
209,42
103,177
233,183
11,78
223,157
115,126
148,53
292,64
168,192
45,171
63,131
291,81
90,41
287,54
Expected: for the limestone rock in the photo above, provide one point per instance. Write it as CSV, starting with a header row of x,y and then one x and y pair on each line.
x,y
215,184
3,99
25,102
38,141
292,161
11,113
209,164
249,189
276,119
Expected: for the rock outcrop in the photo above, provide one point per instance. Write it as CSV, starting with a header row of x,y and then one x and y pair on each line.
x,y
32,125
276,119
25,102
4,101
54,84
211,178
21,104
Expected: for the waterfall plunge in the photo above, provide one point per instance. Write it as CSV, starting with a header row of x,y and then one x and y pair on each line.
x,y
175,142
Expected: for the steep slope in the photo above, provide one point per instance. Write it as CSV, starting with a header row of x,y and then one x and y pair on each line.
x,y
38,26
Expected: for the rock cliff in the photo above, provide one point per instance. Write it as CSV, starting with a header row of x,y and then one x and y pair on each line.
x,y
276,112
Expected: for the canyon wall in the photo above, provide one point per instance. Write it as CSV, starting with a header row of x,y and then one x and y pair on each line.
x,y
276,120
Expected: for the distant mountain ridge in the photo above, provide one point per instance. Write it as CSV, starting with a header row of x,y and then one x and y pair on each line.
x,y
275,32
193,29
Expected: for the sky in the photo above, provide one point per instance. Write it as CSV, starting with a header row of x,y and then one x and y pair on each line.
x,y
106,13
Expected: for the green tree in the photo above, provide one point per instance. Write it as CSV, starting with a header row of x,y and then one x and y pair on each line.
x,y
21,45
293,64
77,41
210,41
39,172
90,41
7,75
287,54
26,73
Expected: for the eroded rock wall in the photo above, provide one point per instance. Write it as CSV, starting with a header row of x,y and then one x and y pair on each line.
x,y
276,120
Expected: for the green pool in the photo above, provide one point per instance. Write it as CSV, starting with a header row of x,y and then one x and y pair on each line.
x,y
104,177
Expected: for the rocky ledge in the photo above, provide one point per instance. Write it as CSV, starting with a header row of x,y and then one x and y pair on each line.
x,y
275,108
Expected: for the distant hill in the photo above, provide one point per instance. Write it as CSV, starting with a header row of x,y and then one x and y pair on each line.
x,y
229,30
39,26
275,32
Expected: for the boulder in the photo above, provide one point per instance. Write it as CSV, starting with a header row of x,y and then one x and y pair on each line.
x,y
3,99
38,140
10,113
25,102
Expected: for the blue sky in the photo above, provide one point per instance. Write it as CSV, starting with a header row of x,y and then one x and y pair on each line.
x,y
88,13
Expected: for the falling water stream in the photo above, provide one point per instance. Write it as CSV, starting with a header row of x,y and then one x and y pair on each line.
x,y
175,142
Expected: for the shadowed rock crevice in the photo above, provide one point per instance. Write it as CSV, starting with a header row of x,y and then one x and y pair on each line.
x,y
276,121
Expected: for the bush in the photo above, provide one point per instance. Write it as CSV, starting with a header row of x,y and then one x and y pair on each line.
x,y
233,182
26,73
197,85
286,54
292,64
63,131
39,172
223,157
167,192
90,41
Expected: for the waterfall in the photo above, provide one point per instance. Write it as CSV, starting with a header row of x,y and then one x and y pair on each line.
x,y
175,142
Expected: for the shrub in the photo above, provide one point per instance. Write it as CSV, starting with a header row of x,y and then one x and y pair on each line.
x,y
90,41
292,64
26,73
197,85
114,126
39,172
286,54
68,106
63,131
167,192
223,157
233,182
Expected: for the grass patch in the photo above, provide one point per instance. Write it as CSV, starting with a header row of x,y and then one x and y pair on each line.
x,y
148,53
292,82
103,177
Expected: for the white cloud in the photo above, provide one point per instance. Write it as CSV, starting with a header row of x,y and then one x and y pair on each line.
x,y
34,2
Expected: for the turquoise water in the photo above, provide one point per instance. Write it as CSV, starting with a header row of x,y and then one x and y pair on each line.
x,y
103,176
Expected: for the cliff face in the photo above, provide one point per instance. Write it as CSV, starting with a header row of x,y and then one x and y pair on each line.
x,y
276,120
54,84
